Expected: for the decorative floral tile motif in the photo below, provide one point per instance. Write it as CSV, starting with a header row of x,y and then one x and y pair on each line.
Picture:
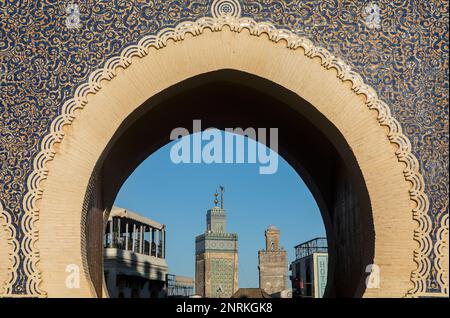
x,y
48,48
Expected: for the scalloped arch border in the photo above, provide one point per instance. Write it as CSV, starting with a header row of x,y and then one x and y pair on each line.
x,y
178,33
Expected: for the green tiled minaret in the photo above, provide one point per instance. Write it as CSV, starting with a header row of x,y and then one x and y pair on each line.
x,y
216,256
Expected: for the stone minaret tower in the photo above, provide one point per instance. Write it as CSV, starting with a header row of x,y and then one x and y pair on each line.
x,y
272,263
216,259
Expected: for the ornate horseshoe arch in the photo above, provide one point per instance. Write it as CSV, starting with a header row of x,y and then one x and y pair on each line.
x,y
226,14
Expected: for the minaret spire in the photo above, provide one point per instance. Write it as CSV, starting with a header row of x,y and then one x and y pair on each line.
x,y
215,200
222,190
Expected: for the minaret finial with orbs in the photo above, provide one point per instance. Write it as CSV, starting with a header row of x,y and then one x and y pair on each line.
x,y
215,198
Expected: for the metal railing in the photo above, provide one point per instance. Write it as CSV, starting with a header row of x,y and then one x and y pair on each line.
x,y
317,245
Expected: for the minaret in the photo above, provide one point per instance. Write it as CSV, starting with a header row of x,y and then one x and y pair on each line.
x,y
216,255
272,263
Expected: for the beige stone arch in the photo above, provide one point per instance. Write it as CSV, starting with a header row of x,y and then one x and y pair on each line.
x,y
88,122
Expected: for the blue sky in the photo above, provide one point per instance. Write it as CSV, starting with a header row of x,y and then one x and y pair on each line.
x,y
179,195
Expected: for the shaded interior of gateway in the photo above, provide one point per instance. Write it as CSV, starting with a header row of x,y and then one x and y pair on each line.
x,y
310,143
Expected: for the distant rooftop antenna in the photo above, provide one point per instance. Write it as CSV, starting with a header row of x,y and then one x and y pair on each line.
x,y
222,190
